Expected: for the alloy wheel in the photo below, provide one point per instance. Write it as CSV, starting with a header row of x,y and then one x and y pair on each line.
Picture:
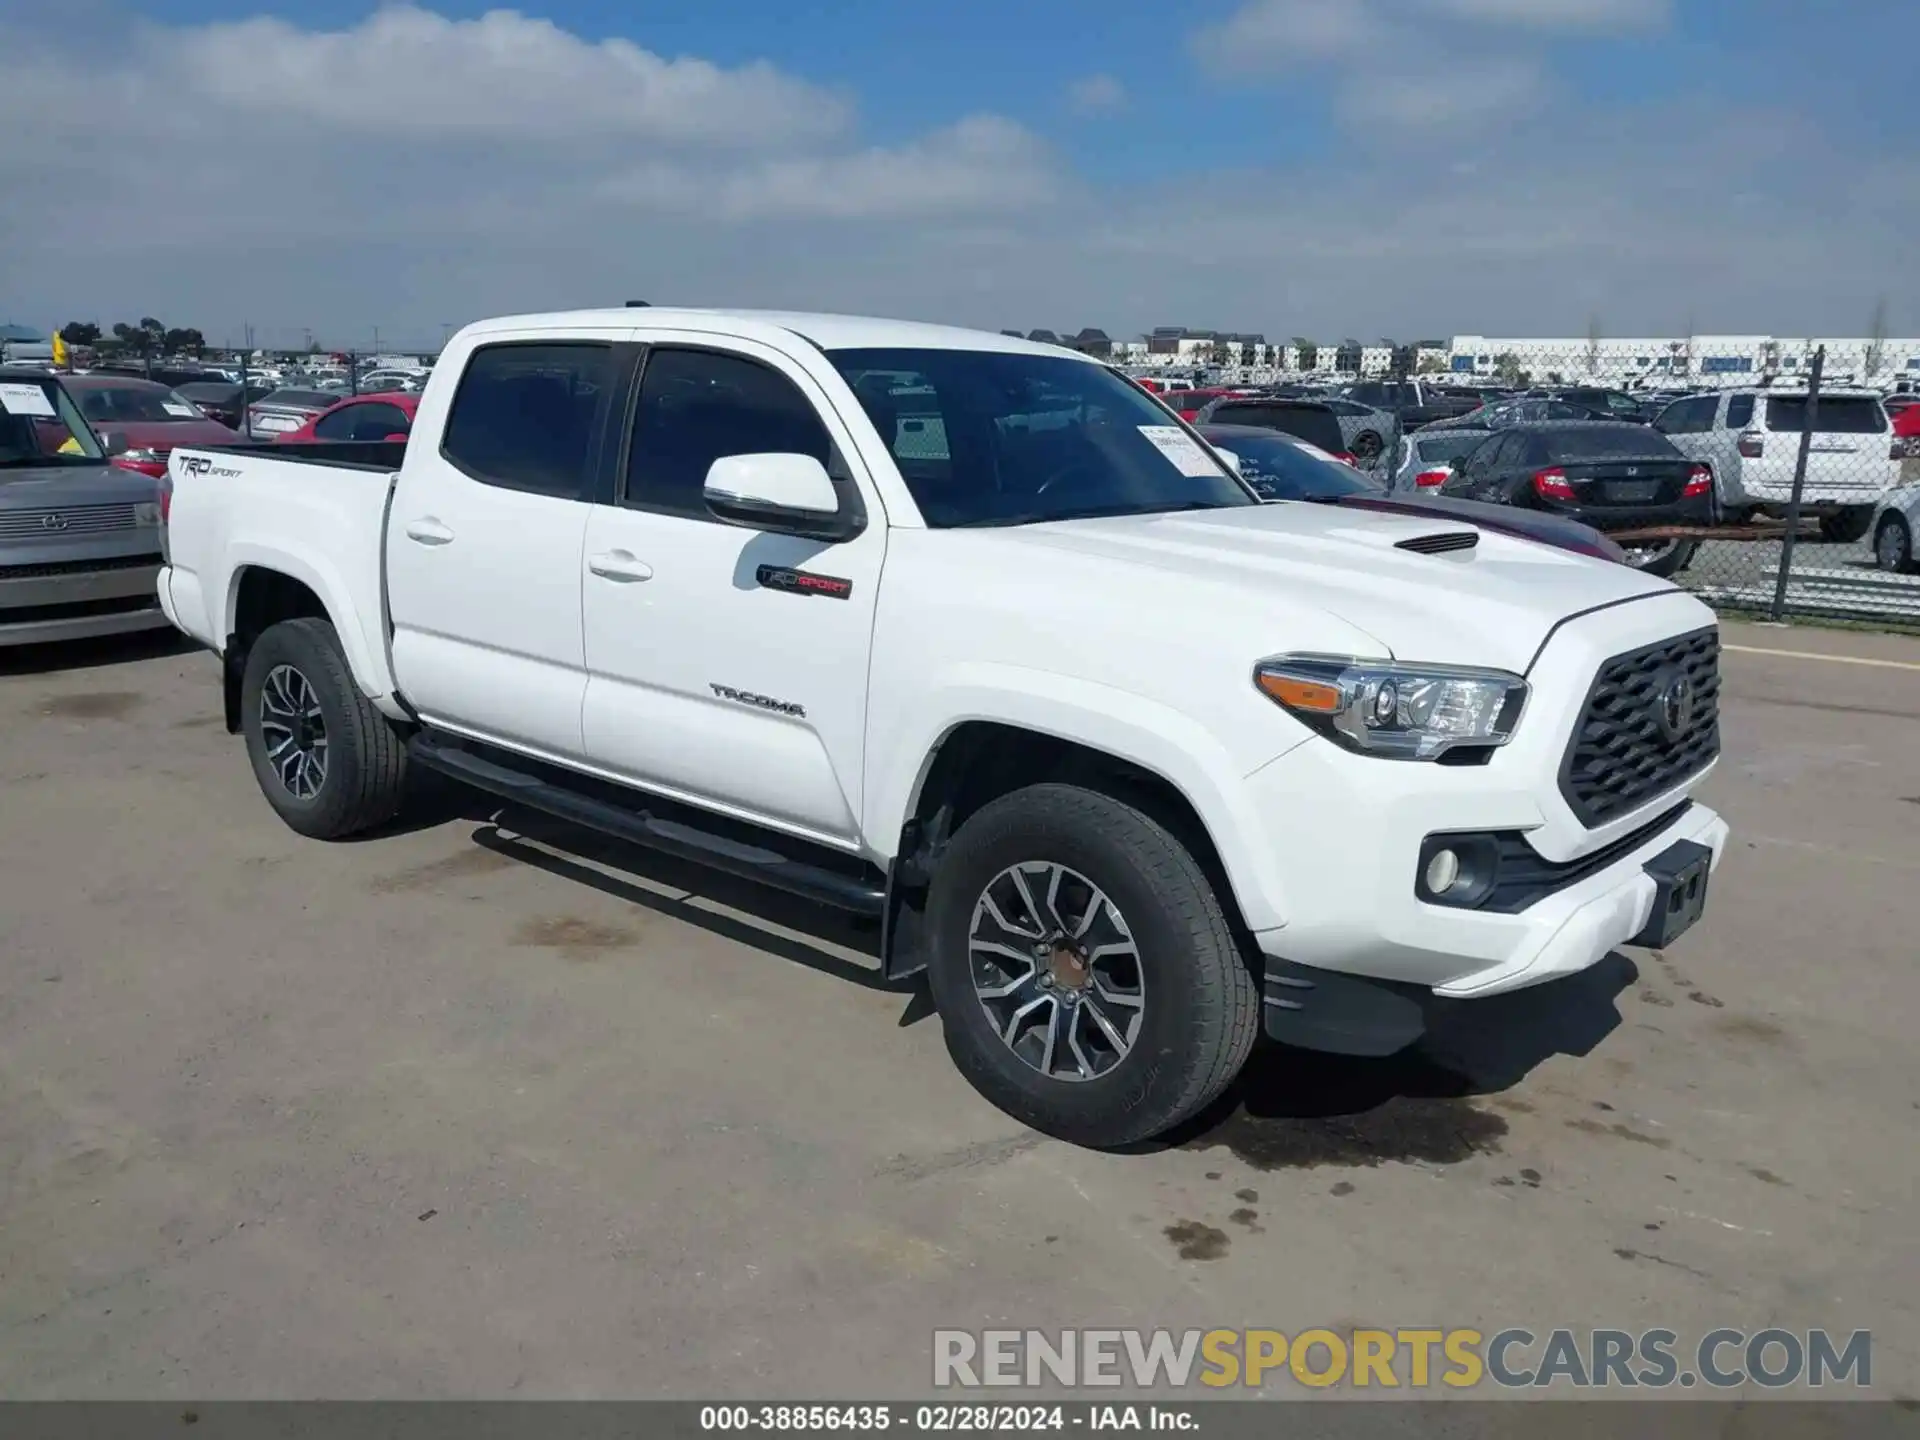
x,y
1056,970
294,731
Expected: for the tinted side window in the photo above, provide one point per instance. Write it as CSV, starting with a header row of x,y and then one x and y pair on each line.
x,y
525,416
337,424
1739,412
697,406
376,422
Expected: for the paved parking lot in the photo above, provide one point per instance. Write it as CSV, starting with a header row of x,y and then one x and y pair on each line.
x,y
452,1111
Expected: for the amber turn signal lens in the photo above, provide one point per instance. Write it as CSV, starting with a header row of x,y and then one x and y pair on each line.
x,y
1296,694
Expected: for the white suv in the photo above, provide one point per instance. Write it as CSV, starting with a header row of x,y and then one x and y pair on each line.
x,y
1751,440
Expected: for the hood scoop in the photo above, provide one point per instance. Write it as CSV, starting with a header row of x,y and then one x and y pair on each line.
x,y
1442,544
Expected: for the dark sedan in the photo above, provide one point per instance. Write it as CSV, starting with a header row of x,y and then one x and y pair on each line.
x,y
1279,467
1610,474
223,400
141,421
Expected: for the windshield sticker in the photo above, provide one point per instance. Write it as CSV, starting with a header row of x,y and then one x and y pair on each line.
x,y
1179,447
175,407
25,400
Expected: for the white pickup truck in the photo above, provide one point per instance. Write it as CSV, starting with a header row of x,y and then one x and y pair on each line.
x,y
973,636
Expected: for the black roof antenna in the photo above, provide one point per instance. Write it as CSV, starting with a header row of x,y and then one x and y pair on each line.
x,y
639,304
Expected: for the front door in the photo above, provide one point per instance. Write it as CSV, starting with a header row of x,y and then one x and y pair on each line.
x,y
728,666
484,543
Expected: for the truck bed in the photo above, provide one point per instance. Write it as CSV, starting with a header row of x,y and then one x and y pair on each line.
x,y
308,516
353,454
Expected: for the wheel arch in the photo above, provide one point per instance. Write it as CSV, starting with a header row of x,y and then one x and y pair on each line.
x,y
266,588
977,759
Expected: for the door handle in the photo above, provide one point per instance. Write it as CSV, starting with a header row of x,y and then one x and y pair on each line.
x,y
619,565
428,531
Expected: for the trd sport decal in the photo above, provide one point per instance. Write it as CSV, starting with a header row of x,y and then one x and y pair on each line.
x,y
803,582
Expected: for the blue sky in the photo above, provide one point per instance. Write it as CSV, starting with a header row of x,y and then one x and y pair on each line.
x,y
1327,167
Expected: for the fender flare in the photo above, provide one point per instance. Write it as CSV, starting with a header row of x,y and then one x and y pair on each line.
x,y
365,654
1158,739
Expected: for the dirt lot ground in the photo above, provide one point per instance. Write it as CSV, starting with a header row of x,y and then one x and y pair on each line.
x,y
457,1112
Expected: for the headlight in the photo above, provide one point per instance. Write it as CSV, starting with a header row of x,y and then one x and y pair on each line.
x,y
1401,712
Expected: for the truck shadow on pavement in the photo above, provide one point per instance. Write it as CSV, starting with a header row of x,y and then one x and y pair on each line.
x,y
57,657
1295,1109
793,929
1290,1108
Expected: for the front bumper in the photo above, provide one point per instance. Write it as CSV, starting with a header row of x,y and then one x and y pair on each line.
x,y
72,604
1337,840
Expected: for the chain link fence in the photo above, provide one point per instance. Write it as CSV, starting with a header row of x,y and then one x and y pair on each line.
x,y
1778,486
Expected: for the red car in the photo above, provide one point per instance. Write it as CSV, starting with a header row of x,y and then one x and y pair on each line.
x,y
141,421
1906,429
386,416
1189,402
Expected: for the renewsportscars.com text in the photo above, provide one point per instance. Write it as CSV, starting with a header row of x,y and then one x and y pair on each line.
x,y
1411,1358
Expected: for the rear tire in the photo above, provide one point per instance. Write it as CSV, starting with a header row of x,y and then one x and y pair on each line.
x,y
1843,527
1367,446
1893,545
1167,1017
1667,562
328,762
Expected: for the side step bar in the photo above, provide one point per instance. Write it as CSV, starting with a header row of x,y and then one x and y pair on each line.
x,y
671,837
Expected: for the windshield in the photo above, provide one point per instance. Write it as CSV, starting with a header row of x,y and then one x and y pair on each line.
x,y
987,438
40,425
1278,469
135,405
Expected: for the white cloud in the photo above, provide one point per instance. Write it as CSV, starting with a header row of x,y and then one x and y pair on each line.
x,y
1590,15
1265,34
503,75
1096,95
141,178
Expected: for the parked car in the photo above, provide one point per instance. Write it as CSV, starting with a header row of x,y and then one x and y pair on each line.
x,y
1189,403
1603,401
1311,420
1283,467
1610,474
1368,432
365,417
286,410
1130,764
1412,402
79,537
1896,519
1503,413
378,382
1750,438
160,373
1426,457
222,400
140,421
1905,420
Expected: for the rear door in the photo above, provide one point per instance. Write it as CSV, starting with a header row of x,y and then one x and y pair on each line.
x,y
484,542
728,666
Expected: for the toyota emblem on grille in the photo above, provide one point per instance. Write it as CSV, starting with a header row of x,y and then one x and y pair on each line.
x,y
53,522
1673,706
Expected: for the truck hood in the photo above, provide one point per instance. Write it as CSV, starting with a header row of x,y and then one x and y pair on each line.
x,y
1491,605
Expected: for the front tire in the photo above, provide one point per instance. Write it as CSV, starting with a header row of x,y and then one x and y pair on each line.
x,y
1665,560
1893,545
1843,527
1085,972
328,762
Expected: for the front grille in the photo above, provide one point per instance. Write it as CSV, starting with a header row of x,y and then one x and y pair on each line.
x,y
1441,544
1626,750
49,524
79,567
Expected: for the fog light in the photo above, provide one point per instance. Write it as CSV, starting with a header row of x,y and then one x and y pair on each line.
x,y
1442,870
